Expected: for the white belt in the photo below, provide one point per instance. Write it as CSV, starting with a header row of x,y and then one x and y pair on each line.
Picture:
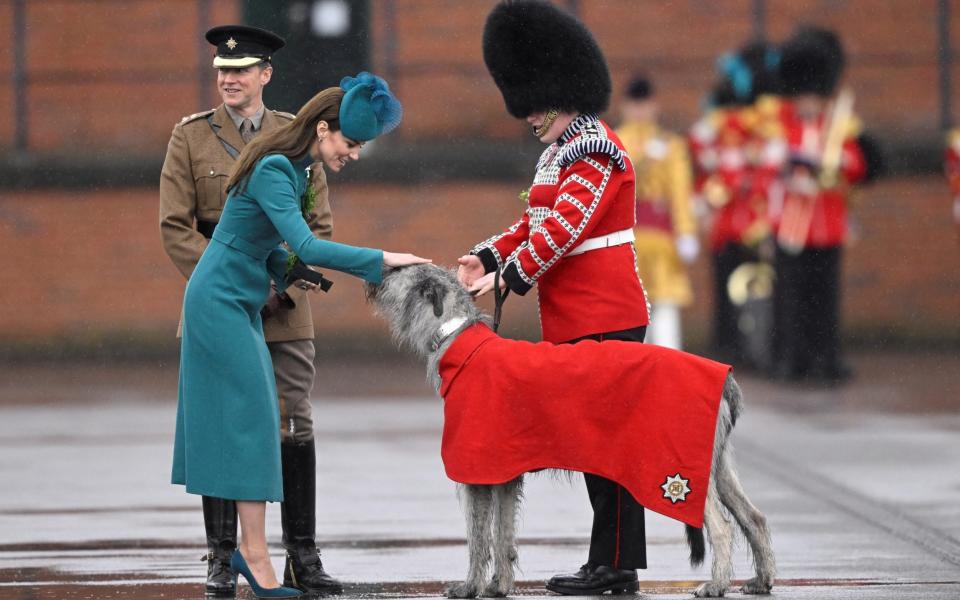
x,y
604,241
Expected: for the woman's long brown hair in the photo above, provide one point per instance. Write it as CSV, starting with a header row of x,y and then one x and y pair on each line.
x,y
292,140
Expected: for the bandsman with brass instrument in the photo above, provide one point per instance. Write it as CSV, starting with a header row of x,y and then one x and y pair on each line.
x,y
193,187
828,156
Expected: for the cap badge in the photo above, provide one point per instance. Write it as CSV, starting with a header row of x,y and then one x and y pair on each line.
x,y
675,488
231,43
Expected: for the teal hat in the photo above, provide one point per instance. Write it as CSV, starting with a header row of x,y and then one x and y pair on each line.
x,y
368,108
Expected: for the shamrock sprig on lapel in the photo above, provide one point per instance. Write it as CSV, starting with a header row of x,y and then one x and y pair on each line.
x,y
308,202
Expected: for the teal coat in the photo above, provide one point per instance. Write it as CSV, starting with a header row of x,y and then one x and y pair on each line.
x,y
227,441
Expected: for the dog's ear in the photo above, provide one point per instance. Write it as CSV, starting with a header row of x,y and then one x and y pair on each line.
x,y
435,294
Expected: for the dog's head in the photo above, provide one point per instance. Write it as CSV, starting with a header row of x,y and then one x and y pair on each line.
x,y
417,300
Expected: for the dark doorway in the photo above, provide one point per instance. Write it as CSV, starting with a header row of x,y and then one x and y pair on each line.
x,y
326,40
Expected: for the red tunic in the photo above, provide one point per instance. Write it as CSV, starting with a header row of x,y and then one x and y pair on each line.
x,y
638,414
584,188
828,225
737,165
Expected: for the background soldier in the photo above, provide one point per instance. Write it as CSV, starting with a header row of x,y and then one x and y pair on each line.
x,y
827,156
736,159
666,230
200,156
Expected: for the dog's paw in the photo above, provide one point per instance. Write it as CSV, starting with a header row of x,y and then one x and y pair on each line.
x,y
462,590
710,589
756,586
497,589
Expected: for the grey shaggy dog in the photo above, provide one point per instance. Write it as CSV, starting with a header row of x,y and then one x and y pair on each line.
x,y
427,307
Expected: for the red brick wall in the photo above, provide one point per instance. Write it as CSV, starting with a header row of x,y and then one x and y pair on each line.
x,y
115,75
891,46
81,265
107,75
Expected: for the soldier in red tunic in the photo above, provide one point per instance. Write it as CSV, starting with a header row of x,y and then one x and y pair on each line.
x,y
737,157
827,156
575,240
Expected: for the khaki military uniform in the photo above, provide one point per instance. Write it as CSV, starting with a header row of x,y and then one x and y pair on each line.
x,y
664,209
193,182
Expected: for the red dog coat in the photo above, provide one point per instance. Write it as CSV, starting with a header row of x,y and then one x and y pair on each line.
x,y
641,415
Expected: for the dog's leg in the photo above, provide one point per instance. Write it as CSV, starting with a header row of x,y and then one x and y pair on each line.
x,y
720,534
477,506
506,503
753,524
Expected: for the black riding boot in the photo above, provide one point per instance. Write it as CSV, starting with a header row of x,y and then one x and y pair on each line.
x,y
303,569
220,520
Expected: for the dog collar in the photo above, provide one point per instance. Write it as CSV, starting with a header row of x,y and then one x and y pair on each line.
x,y
446,330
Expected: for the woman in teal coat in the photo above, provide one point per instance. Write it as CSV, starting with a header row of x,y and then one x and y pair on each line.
x,y
227,445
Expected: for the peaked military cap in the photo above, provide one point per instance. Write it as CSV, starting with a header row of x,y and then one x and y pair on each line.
x,y
241,46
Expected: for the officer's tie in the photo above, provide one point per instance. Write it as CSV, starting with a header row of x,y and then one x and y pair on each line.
x,y
246,131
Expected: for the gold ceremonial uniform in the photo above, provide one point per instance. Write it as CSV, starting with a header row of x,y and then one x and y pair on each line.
x,y
664,209
193,191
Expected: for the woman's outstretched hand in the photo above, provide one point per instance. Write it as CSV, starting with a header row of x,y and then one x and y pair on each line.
x,y
399,259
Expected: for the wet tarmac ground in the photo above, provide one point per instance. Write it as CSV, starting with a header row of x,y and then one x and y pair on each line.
x,y
861,486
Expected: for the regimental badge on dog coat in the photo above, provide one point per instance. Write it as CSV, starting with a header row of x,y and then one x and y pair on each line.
x,y
641,415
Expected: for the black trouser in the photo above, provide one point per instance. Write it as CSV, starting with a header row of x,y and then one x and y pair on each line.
x,y
727,338
807,313
619,536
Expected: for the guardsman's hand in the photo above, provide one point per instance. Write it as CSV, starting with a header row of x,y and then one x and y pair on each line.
x,y
485,284
470,270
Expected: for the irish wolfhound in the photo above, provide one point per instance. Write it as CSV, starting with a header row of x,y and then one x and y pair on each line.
x,y
427,308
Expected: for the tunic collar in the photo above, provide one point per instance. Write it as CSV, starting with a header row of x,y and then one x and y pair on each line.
x,y
576,126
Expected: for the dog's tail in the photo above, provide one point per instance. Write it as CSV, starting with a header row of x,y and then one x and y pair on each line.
x,y
697,548
734,398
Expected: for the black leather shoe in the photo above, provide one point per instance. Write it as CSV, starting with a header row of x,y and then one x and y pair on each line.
x,y
220,521
304,569
593,580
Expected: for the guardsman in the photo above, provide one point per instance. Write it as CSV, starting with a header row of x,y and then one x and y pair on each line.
x,y
827,156
951,167
737,158
200,156
666,229
574,242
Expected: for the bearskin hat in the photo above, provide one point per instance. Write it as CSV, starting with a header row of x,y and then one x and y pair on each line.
x,y
542,57
811,62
